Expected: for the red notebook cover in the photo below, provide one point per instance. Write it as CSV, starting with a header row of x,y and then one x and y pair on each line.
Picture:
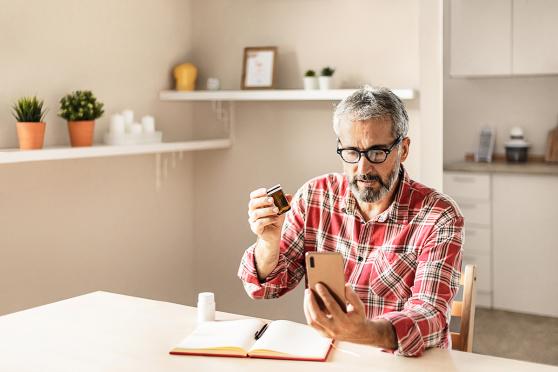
x,y
256,356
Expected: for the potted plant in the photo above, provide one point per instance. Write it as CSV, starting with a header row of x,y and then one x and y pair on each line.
x,y
29,113
310,80
326,77
80,109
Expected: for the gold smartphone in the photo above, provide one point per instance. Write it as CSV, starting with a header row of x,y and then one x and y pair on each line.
x,y
327,268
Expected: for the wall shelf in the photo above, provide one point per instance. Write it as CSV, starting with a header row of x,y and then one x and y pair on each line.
x,y
60,153
270,95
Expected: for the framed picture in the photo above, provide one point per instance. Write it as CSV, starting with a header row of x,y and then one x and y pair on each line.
x,y
258,68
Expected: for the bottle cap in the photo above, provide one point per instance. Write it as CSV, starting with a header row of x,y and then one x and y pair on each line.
x,y
206,297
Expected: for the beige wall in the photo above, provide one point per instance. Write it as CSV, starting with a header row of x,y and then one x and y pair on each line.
x,y
502,103
69,227
376,42
100,223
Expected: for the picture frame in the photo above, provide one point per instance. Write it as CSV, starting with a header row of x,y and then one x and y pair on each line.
x,y
259,68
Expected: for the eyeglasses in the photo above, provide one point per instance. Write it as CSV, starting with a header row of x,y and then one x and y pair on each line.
x,y
373,154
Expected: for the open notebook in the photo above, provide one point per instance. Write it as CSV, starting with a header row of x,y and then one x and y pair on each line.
x,y
281,339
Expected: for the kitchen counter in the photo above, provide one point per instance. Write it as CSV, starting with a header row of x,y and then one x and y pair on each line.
x,y
538,168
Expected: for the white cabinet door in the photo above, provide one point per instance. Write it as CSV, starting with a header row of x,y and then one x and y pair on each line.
x,y
477,241
480,37
467,186
483,271
535,37
475,213
525,233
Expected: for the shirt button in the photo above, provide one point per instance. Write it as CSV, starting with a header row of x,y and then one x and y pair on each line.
x,y
360,258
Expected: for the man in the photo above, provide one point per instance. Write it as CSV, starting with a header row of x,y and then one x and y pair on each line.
x,y
400,240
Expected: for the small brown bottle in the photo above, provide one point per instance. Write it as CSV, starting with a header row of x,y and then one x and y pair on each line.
x,y
279,199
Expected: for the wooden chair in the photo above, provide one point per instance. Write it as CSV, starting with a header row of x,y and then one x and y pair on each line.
x,y
465,310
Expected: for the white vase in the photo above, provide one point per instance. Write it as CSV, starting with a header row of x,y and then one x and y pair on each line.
x,y
310,83
325,82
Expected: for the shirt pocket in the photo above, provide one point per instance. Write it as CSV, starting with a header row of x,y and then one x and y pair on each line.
x,y
392,275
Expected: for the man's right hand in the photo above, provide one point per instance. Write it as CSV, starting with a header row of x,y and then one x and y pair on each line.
x,y
267,225
263,218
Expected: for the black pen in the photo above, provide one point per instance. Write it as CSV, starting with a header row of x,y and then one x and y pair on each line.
x,y
261,331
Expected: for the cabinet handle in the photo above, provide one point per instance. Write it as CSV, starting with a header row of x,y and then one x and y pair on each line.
x,y
470,232
464,179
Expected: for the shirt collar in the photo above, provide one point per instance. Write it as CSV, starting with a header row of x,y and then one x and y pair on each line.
x,y
398,211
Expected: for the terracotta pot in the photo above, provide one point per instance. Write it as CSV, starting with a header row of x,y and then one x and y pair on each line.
x,y
81,132
31,135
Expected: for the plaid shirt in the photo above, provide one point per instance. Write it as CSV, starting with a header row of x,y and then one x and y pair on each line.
x,y
404,263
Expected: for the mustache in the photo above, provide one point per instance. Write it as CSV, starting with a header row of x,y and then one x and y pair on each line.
x,y
368,177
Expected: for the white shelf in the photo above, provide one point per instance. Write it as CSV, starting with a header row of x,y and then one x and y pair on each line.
x,y
270,95
60,153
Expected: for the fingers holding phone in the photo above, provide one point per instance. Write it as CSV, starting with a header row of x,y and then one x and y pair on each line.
x,y
331,307
354,302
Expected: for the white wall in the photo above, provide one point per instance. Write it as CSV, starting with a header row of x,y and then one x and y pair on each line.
x,y
430,141
374,42
70,227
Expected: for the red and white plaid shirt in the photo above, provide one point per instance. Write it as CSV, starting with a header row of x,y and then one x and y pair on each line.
x,y
404,264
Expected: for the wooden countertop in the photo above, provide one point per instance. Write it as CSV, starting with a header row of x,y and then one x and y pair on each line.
x,y
534,166
497,167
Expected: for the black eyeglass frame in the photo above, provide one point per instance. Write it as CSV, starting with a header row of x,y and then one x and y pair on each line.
x,y
365,152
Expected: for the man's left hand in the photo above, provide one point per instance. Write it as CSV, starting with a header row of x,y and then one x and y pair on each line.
x,y
352,326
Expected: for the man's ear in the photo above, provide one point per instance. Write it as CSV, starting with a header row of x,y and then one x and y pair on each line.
x,y
405,144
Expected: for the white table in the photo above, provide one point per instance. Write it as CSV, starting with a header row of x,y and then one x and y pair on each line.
x,y
103,331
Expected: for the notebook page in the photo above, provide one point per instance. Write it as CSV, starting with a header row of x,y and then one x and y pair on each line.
x,y
294,339
221,334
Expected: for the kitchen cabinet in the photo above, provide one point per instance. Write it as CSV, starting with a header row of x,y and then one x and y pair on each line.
x,y
511,224
525,231
472,193
480,37
535,35
503,37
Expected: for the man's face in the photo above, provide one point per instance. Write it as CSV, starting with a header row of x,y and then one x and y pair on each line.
x,y
370,182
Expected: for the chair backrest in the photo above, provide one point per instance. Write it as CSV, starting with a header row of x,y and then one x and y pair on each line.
x,y
465,310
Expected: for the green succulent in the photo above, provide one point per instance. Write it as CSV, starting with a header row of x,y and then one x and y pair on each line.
x,y
310,73
29,110
80,105
327,71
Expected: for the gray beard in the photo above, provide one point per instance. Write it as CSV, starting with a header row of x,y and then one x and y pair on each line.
x,y
368,194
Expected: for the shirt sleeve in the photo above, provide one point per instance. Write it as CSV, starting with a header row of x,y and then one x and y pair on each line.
x,y
424,320
290,268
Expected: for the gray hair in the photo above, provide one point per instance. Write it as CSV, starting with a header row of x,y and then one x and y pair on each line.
x,y
367,103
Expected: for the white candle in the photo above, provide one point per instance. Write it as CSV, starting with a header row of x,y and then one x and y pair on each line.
x,y
148,124
213,84
128,116
116,124
136,128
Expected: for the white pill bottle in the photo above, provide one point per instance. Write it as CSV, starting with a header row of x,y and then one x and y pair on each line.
x,y
206,307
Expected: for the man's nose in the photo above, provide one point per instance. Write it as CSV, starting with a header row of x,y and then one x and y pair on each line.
x,y
364,166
